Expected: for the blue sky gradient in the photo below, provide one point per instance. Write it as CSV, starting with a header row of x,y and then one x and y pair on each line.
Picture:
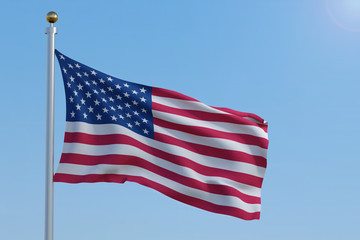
x,y
294,63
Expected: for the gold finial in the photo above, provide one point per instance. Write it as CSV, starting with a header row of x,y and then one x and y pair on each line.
x,y
51,17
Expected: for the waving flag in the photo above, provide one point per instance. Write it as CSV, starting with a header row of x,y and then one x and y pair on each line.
x,y
117,131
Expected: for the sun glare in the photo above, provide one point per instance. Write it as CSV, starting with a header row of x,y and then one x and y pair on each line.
x,y
345,13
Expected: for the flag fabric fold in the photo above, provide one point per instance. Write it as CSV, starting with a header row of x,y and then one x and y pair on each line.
x,y
117,131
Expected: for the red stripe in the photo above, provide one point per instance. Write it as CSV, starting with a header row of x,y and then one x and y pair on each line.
x,y
179,160
207,116
92,178
207,132
160,92
139,162
243,114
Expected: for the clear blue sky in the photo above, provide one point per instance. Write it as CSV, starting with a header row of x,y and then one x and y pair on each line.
x,y
294,63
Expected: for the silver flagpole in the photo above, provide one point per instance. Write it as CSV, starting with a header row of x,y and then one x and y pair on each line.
x,y
51,17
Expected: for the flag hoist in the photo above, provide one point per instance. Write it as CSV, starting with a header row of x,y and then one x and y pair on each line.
x,y
51,17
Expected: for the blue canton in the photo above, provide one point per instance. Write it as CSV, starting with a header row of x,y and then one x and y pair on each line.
x,y
97,98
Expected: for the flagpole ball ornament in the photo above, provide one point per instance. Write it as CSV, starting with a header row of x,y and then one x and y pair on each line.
x,y
51,17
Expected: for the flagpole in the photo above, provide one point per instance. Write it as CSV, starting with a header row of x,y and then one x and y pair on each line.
x,y
51,17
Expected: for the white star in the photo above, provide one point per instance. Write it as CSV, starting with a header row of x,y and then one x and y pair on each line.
x,y
102,90
86,74
119,107
142,99
110,89
143,110
88,94
91,109
98,117
85,115
95,83
78,74
137,123
105,110
72,78
87,83
78,107
111,99
143,90
82,101
69,85
135,103
128,115
80,87
104,100
96,102
112,108
75,92
62,57
110,79
113,118
64,70
71,99
146,131
129,125
126,85
126,94
134,92
93,73
136,113
118,97
118,86
127,105
70,66
144,120
101,80
77,65
72,114
95,91
121,116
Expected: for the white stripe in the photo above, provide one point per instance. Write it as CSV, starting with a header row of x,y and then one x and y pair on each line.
x,y
256,121
103,129
124,149
185,104
220,126
220,143
218,199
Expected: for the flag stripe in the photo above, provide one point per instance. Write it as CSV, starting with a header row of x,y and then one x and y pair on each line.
x,y
220,126
217,167
208,116
218,143
207,132
227,160
185,104
166,93
131,170
237,177
126,149
253,117
168,98
181,175
213,152
199,203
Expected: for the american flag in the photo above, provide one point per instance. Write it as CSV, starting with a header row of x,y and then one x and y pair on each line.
x,y
117,131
